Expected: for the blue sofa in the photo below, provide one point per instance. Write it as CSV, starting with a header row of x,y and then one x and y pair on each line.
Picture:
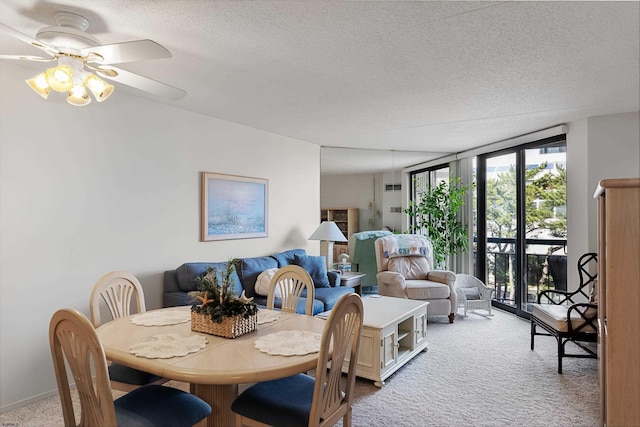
x,y
179,282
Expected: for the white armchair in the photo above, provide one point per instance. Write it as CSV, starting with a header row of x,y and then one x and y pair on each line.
x,y
473,294
405,270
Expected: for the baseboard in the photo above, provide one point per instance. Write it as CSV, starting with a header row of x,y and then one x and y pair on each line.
x,y
28,401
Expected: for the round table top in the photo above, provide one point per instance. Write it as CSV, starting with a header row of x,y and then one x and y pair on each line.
x,y
221,361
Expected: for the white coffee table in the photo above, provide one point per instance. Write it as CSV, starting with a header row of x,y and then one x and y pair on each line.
x,y
395,330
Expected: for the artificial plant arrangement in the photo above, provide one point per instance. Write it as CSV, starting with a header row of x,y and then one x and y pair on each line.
x,y
435,214
218,300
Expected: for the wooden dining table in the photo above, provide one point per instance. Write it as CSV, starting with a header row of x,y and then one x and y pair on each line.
x,y
216,370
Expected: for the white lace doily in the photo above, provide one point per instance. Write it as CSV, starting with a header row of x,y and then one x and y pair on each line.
x,y
289,343
161,318
266,316
169,345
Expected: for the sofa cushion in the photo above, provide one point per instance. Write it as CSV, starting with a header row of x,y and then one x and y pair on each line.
x,y
426,289
250,268
188,272
556,317
410,267
316,266
330,296
264,281
287,257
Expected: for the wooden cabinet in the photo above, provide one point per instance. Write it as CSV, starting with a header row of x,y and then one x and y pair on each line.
x,y
347,221
619,300
394,331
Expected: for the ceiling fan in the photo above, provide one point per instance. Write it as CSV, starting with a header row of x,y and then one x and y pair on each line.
x,y
80,55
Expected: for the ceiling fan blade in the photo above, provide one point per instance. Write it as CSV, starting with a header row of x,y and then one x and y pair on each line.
x,y
118,53
51,50
28,58
139,82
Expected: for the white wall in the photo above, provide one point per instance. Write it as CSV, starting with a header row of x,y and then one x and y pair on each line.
x,y
393,199
116,186
366,192
360,191
598,148
614,148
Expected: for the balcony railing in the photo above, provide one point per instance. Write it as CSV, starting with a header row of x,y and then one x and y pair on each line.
x,y
546,267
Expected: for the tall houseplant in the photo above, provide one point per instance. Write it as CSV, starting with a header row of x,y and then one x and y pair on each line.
x,y
435,214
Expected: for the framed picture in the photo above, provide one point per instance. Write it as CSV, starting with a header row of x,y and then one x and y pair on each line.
x,y
234,207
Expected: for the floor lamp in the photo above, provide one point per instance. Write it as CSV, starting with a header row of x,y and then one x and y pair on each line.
x,y
328,232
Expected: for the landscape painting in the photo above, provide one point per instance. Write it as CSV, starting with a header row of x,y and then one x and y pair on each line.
x,y
233,207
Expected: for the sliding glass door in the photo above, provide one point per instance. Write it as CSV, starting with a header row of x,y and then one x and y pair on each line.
x,y
521,222
501,226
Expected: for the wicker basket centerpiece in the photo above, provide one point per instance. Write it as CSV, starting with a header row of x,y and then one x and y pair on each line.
x,y
221,311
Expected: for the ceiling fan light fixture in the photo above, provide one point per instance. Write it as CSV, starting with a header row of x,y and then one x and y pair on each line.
x,y
39,84
78,96
98,87
78,52
59,78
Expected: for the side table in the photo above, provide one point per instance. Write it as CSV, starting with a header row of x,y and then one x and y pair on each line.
x,y
352,280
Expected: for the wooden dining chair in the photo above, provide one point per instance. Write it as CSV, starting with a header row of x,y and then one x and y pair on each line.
x,y
74,343
117,289
287,285
302,400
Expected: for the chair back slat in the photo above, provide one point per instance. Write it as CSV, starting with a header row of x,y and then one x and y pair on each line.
x,y
291,281
333,394
117,289
588,274
73,339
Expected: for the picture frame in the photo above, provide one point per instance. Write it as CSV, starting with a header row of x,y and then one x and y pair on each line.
x,y
234,207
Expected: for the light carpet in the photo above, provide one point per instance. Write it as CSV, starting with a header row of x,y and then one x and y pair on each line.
x,y
477,372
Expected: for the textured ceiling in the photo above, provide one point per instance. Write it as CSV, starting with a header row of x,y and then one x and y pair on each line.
x,y
424,79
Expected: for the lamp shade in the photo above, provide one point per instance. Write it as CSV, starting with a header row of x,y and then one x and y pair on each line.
x,y
100,89
329,231
59,78
78,96
39,84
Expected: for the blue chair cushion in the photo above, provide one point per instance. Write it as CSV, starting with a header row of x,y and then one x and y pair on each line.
x,y
316,266
156,405
127,375
283,402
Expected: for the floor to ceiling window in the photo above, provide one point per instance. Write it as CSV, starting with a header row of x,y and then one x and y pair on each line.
x,y
519,219
520,229
423,179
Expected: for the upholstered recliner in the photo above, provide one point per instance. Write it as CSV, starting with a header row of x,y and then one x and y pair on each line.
x,y
405,270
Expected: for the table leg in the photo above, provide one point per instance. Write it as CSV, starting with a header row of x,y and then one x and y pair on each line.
x,y
220,398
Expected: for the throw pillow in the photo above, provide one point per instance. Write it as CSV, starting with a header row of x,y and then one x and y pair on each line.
x,y
410,267
248,270
263,282
471,293
287,257
316,266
